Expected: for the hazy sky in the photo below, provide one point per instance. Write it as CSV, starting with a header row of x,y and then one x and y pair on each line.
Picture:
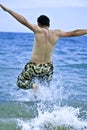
x,y
64,14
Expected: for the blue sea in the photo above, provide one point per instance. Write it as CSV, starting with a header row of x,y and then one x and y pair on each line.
x,y
62,106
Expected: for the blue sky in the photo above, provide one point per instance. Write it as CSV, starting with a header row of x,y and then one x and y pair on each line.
x,y
64,14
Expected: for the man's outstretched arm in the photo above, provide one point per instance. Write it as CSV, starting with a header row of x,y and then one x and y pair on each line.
x,y
19,18
73,33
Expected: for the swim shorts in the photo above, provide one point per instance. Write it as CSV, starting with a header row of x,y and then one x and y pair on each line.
x,y
31,71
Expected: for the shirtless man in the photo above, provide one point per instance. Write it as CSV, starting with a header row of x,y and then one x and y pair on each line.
x,y
41,65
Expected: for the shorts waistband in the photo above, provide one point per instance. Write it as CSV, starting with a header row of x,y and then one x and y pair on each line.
x,y
41,63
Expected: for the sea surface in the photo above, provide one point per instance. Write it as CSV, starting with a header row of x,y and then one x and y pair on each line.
x,y
62,106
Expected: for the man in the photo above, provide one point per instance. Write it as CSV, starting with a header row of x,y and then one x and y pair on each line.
x,y
41,65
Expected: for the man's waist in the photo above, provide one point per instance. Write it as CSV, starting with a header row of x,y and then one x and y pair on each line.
x,y
41,61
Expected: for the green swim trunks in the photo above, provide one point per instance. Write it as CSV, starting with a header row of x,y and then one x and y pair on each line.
x,y
31,71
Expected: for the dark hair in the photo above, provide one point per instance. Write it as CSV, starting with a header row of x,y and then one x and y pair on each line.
x,y
43,20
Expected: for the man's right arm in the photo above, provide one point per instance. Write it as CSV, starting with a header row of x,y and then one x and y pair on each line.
x,y
73,33
19,18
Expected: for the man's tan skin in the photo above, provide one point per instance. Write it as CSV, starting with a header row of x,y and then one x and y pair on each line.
x,y
45,39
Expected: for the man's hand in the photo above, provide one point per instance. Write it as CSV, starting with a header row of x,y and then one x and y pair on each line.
x,y
3,7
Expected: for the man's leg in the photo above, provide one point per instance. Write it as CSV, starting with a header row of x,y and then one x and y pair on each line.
x,y
35,88
24,83
27,84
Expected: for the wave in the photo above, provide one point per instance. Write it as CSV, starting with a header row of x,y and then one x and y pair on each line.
x,y
61,118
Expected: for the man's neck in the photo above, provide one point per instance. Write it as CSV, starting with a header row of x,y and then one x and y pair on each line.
x,y
46,27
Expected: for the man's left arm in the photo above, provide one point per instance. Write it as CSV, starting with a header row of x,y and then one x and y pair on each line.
x,y
19,18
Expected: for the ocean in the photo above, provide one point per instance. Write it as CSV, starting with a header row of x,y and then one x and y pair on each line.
x,y
63,105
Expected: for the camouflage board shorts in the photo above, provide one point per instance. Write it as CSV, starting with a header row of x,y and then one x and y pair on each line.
x,y
31,71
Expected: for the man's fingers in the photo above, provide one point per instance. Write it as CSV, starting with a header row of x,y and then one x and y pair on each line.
x,y
3,7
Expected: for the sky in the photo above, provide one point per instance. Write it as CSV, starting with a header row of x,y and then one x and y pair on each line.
x,y
66,15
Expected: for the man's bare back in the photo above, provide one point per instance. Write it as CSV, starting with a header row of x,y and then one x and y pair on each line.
x,y
44,42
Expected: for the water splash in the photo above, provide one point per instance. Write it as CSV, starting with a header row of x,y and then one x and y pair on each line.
x,y
54,113
61,118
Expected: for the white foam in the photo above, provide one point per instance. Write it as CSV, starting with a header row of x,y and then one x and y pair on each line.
x,y
60,116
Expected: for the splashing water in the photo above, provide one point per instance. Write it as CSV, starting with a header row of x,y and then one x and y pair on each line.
x,y
53,114
61,118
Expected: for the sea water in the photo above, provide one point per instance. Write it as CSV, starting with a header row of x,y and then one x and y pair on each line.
x,y
62,106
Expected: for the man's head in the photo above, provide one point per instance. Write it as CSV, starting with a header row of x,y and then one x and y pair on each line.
x,y
43,20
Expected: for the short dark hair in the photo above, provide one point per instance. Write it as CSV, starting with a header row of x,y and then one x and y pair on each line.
x,y
43,20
